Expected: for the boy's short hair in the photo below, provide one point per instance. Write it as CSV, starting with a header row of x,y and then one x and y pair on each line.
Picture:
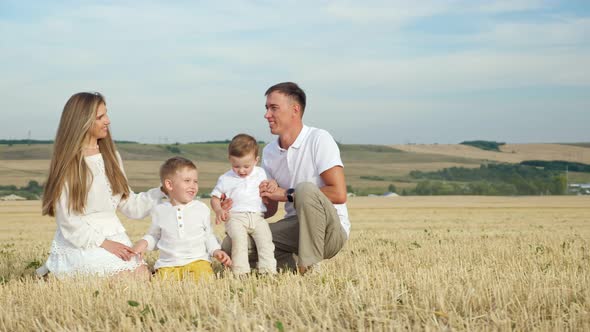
x,y
241,145
170,166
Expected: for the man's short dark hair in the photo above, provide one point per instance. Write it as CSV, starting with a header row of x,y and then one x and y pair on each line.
x,y
291,90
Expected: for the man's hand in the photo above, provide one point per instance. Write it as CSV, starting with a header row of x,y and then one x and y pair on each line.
x,y
271,191
222,257
271,186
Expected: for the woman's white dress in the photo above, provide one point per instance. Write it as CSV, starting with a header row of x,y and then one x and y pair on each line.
x,y
76,247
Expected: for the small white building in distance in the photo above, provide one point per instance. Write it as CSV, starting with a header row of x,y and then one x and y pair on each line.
x,y
12,197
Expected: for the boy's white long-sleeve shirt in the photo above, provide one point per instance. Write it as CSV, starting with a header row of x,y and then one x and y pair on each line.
x,y
182,233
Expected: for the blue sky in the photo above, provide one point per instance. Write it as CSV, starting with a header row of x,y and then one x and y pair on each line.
x,y
383,72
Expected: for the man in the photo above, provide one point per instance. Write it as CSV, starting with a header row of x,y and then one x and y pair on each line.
x,y
306,164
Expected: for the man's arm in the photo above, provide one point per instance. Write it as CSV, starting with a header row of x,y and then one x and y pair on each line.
x,y
334,188
271,203
335,185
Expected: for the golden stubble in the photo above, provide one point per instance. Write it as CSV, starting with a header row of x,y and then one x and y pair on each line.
x,y
460,263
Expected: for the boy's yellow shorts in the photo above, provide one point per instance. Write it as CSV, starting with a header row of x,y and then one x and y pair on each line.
x,y
195,270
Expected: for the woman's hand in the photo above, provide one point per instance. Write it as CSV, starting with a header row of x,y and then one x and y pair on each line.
x,y
118,249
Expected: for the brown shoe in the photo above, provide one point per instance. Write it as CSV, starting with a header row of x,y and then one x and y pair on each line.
x,y
311,269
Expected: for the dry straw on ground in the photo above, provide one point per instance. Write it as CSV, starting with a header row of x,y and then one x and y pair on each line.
x,y
460,263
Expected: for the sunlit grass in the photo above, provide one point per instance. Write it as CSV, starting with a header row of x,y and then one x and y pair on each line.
x,y
461,263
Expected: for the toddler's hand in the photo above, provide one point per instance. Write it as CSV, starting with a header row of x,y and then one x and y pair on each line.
x,y
222,257
226,202
221,216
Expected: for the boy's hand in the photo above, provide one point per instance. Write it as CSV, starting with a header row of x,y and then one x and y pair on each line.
x,y
140,247
222,257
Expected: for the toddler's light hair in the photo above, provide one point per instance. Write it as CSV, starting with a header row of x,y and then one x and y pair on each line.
x,y
242,145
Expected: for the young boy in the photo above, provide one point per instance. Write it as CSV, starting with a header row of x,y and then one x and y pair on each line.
x,y
181,228
246,216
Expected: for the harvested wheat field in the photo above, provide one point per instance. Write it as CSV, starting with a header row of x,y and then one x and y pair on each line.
x,y
509,153
418,263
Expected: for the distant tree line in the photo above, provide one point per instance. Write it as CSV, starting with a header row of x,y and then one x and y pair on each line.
x,y
125,142
558,165
36,141
484,145
377,178
173,149
493,179
33,190
225,141
24,141
365,191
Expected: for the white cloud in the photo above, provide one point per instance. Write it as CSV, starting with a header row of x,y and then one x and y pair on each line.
x,y
209,64
505,6
397,13
401,12
558,32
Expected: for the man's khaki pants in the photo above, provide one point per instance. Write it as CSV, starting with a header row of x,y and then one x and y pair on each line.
x,y
314,234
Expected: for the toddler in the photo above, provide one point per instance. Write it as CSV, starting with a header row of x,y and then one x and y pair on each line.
x,y
246,216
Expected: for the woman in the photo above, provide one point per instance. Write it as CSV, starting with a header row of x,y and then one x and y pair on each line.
x,y
85,187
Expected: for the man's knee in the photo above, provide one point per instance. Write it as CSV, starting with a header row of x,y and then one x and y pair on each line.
x,y
305,191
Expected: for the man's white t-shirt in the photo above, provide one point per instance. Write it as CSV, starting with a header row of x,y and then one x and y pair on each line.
x,y
244,192
313,152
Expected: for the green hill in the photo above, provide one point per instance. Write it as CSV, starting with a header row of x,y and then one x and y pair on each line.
x,y
369,169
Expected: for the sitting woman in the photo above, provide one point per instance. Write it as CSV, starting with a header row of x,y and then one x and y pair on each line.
x,y
85,187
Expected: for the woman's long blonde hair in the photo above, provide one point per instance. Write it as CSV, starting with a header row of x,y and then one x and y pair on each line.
x,y
68,171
